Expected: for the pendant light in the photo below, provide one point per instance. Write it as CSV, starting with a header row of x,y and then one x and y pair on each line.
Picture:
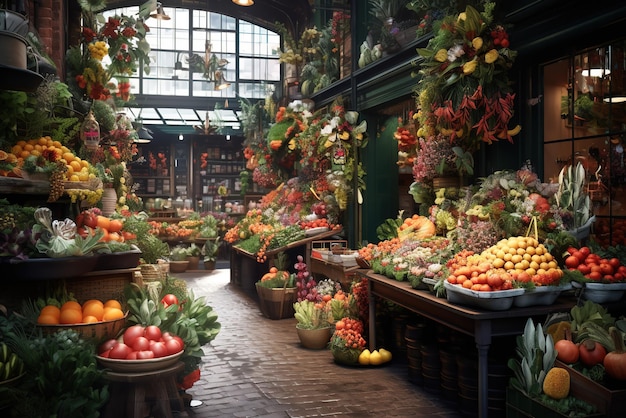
x,y
243,2
160,13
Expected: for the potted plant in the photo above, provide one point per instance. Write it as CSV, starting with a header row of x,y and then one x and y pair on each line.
x,y
574,201
276,290
178,259
314,323
193,255
210,250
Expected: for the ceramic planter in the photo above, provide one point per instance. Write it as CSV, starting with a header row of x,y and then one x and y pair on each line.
x,y
179,266
315,339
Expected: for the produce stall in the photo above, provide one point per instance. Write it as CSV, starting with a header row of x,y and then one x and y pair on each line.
x,y
481,324
245,269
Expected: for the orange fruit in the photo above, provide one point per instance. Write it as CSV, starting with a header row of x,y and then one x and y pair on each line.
x,y
103,222
90,301
95,310
112,303
71,316
76,165
111,314
47,319
52,310
89,319
68,156
71,304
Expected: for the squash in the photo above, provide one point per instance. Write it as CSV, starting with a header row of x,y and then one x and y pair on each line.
x,y
416,227
556,383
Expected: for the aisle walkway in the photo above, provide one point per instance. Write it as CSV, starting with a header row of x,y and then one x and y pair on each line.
x,y
256,368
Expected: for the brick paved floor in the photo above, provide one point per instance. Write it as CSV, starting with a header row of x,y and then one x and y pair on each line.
x,y
256,368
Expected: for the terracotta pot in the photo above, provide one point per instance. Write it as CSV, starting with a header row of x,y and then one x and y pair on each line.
x,y
193,262
315,339
209,265
178,266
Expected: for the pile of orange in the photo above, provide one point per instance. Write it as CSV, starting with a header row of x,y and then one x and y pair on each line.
x,y
72,312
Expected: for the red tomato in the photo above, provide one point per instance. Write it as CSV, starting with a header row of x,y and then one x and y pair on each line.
x,y
169,299
173,346
159,349
614,262
595,275
619,277
572,262
606,269
153,333
140,343
580,256
132,355
584,269
128,235
106,346
120,351
145,354
585,250
105,354
131,334
571,250
90,220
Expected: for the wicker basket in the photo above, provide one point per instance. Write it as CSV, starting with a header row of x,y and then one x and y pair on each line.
x,y
98,331
99,287
276,303
153,272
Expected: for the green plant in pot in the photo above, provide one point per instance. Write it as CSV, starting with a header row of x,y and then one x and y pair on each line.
x,y
210,250
314,323
194,253
178,259
572,198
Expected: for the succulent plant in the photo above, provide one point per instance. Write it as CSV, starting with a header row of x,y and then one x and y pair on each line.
x,y
572,196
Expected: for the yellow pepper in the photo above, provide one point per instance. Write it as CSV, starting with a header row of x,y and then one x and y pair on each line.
x,y
469,67
441,55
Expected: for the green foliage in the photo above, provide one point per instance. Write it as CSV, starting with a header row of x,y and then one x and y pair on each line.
x,y
152,248
63,379
536,356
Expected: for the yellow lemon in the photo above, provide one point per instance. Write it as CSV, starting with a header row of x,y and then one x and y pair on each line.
x,y
364,357
386,354
376,358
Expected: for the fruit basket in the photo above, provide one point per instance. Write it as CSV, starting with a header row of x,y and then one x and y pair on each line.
x,y
139,366
497,300
98,331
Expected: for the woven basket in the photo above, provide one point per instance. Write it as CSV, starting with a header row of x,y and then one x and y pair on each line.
x,y
152,272
99,287
276,303
99,331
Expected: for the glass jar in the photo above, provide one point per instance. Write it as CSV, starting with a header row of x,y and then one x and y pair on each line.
x,y
90,132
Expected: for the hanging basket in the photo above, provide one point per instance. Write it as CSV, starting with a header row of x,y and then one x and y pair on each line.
x,y
447,182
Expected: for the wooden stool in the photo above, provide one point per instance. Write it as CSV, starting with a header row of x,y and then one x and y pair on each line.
x,y
138,395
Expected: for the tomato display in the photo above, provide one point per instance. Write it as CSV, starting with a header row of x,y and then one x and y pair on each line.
x,y
594,267
139,343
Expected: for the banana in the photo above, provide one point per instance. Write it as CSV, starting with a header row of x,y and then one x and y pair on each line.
x,y
13,361
1,370
6,375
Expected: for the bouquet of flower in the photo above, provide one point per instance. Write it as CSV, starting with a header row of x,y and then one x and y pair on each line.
x,y
464,90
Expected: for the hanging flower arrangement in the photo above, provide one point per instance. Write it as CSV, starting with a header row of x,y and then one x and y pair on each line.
x,y
111,50
464,91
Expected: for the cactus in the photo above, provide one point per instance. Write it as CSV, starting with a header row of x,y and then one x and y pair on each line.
x,y
572,196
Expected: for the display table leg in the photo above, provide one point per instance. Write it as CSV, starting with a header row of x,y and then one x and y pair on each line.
x,y
483,341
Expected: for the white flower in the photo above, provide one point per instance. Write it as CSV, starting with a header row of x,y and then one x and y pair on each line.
x,y
455,52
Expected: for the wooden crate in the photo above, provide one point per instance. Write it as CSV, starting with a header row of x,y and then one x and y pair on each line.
x,y
611,401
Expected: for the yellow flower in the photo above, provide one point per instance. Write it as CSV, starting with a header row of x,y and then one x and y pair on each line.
x,y
461,17
469,67
477,43
345,135
491,56
441,55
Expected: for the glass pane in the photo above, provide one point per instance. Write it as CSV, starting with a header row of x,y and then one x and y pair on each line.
x,y
556,107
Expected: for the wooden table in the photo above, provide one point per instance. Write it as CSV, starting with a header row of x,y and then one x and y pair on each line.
x,y
334,271
137,395
481,324
245,271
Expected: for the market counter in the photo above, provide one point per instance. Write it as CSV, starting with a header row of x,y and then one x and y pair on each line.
x,y
481,324
245,270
